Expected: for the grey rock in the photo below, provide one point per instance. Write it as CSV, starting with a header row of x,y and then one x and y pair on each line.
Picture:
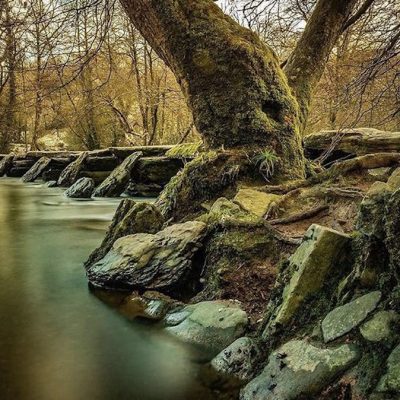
x,y
6,163
70,174
381,327
118,180
51,184
163,261
238,360
37,170
82,189
345,318
390,381
213,325
299,369
143,190
130,218
312,263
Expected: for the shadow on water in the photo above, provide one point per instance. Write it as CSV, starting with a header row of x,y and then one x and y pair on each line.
x,y
57,340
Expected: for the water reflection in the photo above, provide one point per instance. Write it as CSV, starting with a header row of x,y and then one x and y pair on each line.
x,y
57,341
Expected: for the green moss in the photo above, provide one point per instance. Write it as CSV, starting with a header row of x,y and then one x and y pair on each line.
x,y
185,150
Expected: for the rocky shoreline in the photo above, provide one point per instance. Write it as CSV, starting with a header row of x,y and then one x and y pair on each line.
x,y
292,291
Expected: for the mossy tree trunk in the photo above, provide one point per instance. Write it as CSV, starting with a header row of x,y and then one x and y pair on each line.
x,y
241,98
307,62
232,81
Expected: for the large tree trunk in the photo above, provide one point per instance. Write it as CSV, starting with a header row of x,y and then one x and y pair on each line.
x,y
233,83
307,62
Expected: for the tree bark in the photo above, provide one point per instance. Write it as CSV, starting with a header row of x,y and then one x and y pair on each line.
x,y
307,62
232,81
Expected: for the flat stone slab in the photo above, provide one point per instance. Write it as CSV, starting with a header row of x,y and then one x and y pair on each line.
x,y
255,201
115,184
213,325
299,370
390,381
316,257
345,318
70,174
82,189
6,164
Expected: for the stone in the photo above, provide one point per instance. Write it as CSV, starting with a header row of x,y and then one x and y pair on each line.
x,y
312,263
224,210
299,370
6,164
82,189
390,381
212,325
345,318
130,218
258,203
51,184
70,174
37,170
115,184
239,359
381,327
163,261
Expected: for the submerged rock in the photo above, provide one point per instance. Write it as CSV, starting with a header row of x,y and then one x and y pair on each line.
x,y
37,170
163,261
6,164
70,174
213,325
256,202
347,317
299,370
130,218
239,359
82,189
116,183
312,265
382,326
390,381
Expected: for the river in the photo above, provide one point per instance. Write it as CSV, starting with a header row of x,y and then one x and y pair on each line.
x,y
57,340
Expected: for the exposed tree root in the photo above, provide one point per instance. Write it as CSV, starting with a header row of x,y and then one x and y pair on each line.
x,y
343,168
301,215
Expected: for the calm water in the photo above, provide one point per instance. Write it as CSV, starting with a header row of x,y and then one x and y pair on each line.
x,y
57,340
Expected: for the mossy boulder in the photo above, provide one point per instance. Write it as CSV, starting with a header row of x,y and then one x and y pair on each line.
x,y
130,218
390,381
163,261
383,326
256,202
212,325
185,150
312,266
344,319
300,370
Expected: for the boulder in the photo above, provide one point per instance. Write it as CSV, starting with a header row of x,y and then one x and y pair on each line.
x,y
381,327
37,170
212,325
390,381
163,261
299,370
6,164
256,202
115,184
239,359
70,174
82,189
130,218
345,318
314,262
